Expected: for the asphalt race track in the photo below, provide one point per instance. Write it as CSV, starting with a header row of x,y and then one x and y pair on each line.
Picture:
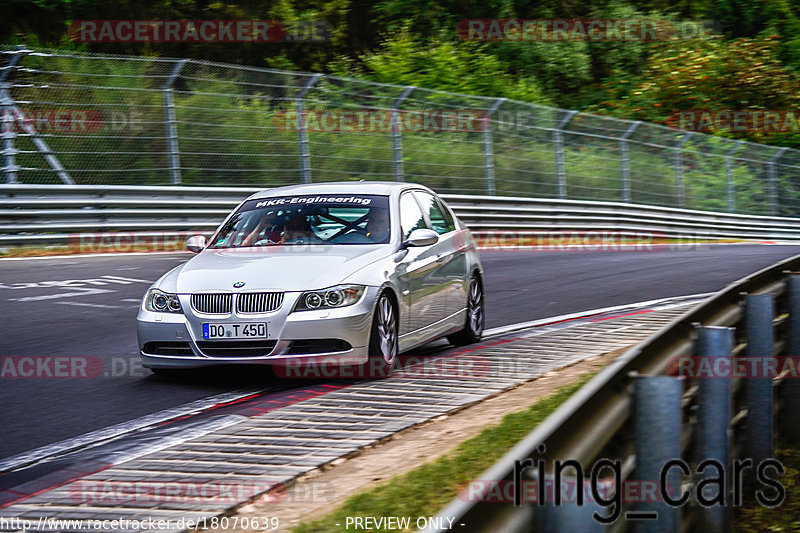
x,y
93,315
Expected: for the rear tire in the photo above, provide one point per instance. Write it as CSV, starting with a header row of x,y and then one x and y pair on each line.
x,y
476,317
382,348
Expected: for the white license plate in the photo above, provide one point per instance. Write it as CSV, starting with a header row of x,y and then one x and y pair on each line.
x,y
235,331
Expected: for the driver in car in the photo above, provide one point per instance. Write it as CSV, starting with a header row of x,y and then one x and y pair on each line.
x,y
255,237
298,229
378,226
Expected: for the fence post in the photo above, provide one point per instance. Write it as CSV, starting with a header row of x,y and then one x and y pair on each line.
x,y
14,114
558,142
790,393
305,158
759,311
488,150
172,123
731,191
7,116
9,134
624,161
772,176
713,423
657,439
680,194
397,136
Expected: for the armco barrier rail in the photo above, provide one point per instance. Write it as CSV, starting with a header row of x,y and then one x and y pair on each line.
x,y
76,118
638,412
51,214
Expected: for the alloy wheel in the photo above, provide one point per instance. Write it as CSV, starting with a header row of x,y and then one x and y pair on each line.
x,y
475,307
387,329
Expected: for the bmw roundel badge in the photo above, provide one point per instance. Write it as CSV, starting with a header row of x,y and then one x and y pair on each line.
x,y
238,285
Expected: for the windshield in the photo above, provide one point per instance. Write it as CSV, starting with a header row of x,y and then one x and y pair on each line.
x,y
313,219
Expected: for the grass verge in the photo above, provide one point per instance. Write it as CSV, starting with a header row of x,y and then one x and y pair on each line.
x,y
56,249
427,489
753,518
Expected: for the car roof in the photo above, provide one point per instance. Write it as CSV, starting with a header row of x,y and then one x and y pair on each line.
x,y
339,187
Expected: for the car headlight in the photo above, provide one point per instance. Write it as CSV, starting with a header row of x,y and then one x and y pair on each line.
x,y
161,302
339,296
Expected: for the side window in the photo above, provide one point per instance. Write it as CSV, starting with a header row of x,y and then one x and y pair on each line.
x,y
411,217
440,222
448,217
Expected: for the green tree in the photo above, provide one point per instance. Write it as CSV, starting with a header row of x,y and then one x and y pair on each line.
x,y
708,74
455,66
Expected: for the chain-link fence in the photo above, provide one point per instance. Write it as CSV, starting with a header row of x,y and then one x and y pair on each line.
x,y
70,117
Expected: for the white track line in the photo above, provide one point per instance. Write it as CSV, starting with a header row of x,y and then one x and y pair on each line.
x,y
503,330
82,304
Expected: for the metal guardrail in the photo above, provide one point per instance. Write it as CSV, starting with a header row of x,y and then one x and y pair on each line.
x,y
73,117
637,412
52,214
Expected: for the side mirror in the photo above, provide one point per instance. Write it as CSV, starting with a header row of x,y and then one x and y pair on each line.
x,y
196,243
422,237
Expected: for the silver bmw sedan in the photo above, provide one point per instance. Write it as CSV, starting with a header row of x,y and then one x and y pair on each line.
x,y
348,273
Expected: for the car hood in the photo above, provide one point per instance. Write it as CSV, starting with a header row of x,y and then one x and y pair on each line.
x,y
277,268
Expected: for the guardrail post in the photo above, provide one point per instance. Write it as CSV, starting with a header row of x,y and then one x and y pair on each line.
x,y
680,193
731,190
772,176
7,116
657,439
172,122
568,516
624,161
397,136
790,393
558,143
305,157
713,423
759,312
488,151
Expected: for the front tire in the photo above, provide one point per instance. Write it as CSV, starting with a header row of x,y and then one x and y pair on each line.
x,y
476,316
383,339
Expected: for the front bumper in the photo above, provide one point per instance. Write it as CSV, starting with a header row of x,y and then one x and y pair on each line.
x,y
351,324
